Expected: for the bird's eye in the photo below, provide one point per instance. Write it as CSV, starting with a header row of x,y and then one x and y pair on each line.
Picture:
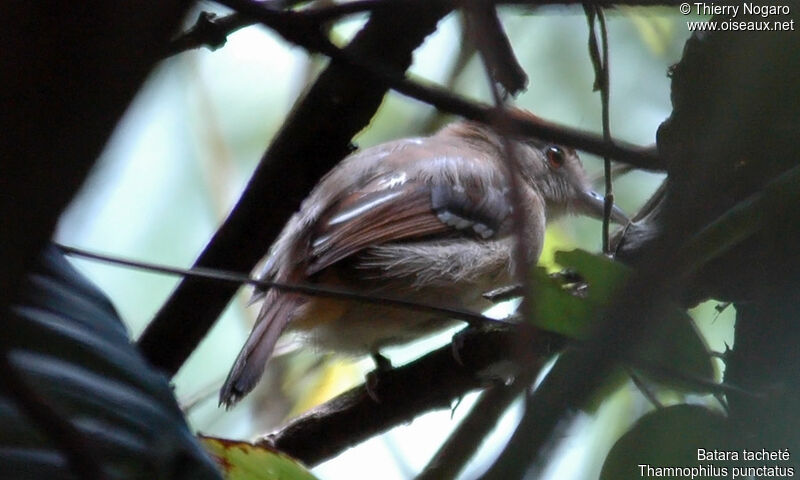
x,y
555,156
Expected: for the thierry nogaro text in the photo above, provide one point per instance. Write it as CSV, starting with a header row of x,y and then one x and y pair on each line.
x,y
703,8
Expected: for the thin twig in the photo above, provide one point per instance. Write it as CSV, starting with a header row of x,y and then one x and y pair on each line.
x,y
212,32
644,389
594,14
513,165
460,447
314,290
605,93
208,31
302,32
520,226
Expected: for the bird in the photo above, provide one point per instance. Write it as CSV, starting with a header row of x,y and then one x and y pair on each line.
x,y
426,219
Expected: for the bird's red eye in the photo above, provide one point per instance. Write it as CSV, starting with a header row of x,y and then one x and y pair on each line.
x,y
555,156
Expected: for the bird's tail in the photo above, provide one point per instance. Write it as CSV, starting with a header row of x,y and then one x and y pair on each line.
x,y
278,310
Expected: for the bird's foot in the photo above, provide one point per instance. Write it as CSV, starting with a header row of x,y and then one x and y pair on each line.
x,y
382,366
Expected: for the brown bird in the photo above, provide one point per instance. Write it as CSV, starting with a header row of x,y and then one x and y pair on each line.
x,y
425,219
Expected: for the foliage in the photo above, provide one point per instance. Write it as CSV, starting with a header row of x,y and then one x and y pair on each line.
x,y
71,349
245,461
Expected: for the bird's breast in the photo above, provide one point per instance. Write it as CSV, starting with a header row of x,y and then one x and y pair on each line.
x,y
447,273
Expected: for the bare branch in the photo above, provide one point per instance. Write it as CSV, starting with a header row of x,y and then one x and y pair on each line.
x,y
454,454
431,382
303,34
223,276
598,52
211,31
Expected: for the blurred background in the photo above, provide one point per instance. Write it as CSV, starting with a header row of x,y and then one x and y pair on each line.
x,y
189,142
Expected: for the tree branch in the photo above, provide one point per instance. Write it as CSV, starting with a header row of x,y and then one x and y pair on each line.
x,y
433,381
307,34
453,455
208,31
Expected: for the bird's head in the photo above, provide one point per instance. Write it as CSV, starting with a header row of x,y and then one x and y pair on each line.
x,y
557,173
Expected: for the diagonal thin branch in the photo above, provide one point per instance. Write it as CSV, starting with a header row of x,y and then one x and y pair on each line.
x,y
223,276
480,17
453,455
303,34
211,31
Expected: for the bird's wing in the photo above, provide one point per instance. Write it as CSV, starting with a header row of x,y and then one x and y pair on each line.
x,y
460,200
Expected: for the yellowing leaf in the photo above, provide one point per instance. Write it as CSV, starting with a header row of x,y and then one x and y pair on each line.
x,y
245,461
554,239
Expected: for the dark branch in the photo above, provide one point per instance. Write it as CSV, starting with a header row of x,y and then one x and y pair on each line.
x,y
212,31
599,56
303,33
431,382
453,455
489,37
475,360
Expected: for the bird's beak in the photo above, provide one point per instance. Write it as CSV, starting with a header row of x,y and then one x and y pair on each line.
x,y
592,204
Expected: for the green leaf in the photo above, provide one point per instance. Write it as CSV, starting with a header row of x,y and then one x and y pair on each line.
x,y
670,438
676,347
245,461
556,310
559,311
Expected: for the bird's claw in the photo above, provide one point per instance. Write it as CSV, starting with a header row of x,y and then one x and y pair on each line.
x,y
371,383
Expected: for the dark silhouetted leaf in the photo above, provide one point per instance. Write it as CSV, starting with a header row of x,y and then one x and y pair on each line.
x,y
71,348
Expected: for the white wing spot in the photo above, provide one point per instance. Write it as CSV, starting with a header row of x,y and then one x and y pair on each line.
x,y
394,180
354,212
